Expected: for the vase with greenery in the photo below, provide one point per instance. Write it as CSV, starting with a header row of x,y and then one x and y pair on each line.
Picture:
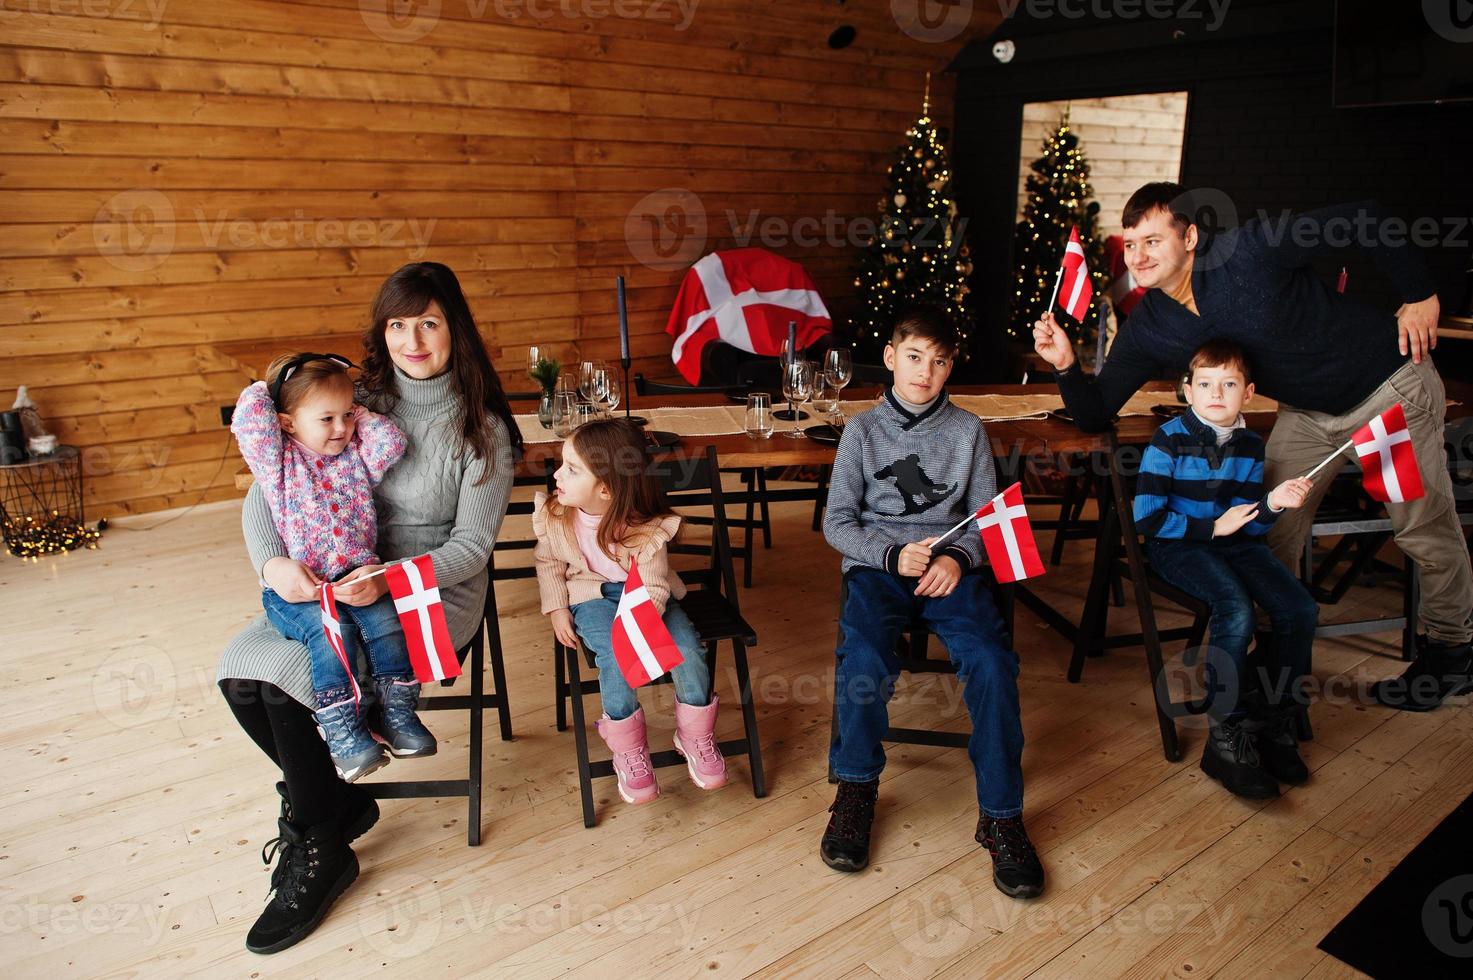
x,y
545,373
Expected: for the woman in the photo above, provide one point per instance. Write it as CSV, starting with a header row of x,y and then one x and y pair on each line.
x,y
425,367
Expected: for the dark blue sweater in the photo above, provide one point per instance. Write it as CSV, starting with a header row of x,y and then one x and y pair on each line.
x,y
1187,481
1310,347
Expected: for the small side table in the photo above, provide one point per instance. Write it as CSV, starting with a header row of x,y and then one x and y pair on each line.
x,y
41,505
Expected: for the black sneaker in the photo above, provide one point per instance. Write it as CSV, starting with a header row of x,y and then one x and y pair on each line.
x,y
1278,745
1231,757
1440,671
359,810
1016,870
845,844
313,867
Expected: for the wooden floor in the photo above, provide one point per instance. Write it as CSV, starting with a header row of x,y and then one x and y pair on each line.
x,y
133,812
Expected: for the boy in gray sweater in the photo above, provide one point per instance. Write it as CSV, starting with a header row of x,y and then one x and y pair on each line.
x,y
906,472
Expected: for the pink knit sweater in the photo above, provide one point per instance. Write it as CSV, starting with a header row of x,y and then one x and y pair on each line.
x,y
322,505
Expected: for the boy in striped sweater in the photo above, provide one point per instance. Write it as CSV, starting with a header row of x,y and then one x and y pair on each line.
x,y
1200,503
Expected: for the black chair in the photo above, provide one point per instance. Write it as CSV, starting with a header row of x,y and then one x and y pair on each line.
x,y
713,608
473,659
753,477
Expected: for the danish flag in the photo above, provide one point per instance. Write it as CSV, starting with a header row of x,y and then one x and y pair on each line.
x,y
1387,459
1008,537
744,297
1076,292
333,627
643,647
417,601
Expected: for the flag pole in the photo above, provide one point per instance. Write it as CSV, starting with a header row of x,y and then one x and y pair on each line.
x,y
364,578
1311,473
965,520
1058,278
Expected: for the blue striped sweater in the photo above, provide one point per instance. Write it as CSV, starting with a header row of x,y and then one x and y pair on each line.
x,y
1187,480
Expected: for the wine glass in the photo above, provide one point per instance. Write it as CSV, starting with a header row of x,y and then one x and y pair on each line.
x,y
534,354
564,406
839,367
759,415
608,390
826,398
797,387
585,379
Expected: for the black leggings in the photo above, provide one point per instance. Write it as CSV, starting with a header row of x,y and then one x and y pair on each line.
x,y
287,733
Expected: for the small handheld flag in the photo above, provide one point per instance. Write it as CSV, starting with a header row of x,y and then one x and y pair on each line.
x,y
417,600
333,627
1008,537
1072,284
643,647
1387,459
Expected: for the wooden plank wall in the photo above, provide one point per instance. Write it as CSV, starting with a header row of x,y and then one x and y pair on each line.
x,y
177,176
1129,140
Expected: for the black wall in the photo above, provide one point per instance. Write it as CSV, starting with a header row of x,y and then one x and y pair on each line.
x,y
1260,128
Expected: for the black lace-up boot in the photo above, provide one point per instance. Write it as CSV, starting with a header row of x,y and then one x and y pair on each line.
x,y
1231,757
313,867
845,845
1016,870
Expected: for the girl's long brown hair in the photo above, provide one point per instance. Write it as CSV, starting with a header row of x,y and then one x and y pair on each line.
x,y
409,292
613,450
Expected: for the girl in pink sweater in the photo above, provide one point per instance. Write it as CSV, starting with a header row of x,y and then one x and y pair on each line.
x,y
317,457
608,511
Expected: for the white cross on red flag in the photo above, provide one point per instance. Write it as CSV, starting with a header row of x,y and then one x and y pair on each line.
x,y
1076,291
333,627
417,601
643,647
1387,460
1008,537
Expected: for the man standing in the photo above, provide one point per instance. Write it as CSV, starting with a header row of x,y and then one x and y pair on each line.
x,y
1330,362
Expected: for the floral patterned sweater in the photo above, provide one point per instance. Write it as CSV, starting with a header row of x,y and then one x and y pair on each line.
x,y
322,505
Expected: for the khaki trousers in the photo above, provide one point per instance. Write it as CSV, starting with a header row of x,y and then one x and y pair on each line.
x,y
1427,530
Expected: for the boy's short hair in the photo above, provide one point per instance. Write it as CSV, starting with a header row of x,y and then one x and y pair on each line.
x,y
1164,195
926,323
1220,353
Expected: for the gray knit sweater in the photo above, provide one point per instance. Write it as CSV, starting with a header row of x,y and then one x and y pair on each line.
x,y
900,477
428,502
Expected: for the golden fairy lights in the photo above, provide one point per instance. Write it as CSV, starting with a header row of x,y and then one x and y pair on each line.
x,y
26,537
918,254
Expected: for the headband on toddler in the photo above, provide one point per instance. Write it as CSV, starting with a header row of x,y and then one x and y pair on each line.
x,y
291,367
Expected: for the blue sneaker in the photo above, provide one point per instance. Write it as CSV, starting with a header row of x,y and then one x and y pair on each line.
x,y
399,726
354,752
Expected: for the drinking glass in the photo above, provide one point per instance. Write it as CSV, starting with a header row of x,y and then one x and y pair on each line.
x,y
534,354
759,415
797,387
564,408
607,383
585,379
839,367
826,398
584,412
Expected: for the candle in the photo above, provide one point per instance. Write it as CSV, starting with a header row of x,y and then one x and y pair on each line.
x,y
793,339
623,325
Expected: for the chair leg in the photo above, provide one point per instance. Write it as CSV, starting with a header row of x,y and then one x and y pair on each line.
x,y
749,478
766,517
498,681
1096,613
473,794
580,735
749,718
1411,598
821,497
1066,508
560,682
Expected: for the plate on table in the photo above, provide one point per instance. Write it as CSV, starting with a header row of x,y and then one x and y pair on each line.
x,y
1168,411
824,435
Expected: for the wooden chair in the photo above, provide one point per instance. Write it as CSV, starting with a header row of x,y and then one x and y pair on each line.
x,y
714,609
473,659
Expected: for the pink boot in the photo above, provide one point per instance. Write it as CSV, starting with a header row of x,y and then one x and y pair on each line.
x,y
695,740
626,740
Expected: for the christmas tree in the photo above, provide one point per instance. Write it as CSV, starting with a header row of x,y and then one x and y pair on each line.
x,y
918,253
1058,198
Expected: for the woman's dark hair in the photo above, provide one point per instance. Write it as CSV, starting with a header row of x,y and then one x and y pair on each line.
x,y
409,292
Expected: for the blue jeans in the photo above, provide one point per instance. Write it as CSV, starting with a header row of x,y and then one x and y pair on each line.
x,y
878,608
594,621
1230,575
376,627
